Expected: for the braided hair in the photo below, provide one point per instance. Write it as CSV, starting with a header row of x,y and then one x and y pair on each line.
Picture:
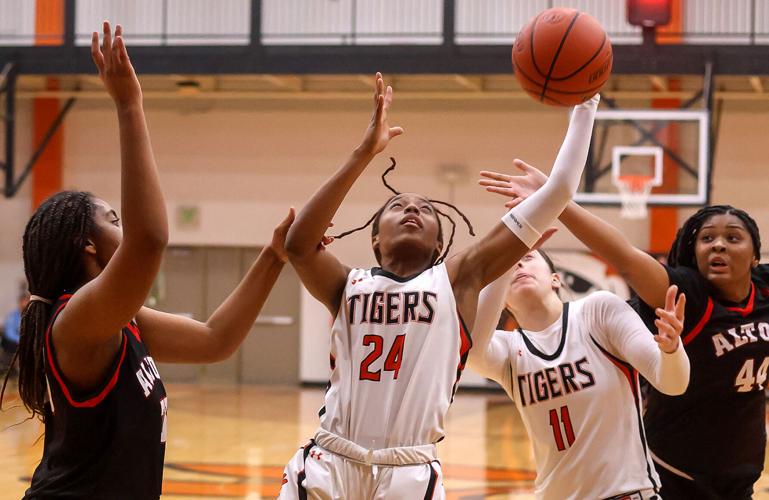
x,y
682,251
53,244
374,220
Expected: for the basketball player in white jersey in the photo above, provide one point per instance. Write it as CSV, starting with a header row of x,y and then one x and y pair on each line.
x,y
399,340
572,370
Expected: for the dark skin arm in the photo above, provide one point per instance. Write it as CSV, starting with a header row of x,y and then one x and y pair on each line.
x,y
321,272
485,261
475,267
642,272
177,339
87,333
467,287
324,276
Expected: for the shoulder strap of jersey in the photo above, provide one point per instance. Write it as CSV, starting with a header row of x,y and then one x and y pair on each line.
x,y
52,366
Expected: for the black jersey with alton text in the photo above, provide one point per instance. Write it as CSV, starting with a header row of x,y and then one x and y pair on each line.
x,y
717,426
109,443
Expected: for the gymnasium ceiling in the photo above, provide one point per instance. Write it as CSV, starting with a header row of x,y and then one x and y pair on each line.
x,y
411,86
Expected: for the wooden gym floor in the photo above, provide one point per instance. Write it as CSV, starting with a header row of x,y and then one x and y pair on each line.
x,y
232,442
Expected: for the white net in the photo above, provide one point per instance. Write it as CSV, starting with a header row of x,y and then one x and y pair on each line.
x,y
634,191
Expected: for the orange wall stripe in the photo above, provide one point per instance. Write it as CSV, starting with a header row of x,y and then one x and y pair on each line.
x,y
671,33
663,221
47,174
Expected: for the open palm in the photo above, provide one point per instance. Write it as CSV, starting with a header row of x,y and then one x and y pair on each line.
x,y
379,132
114,65
515,187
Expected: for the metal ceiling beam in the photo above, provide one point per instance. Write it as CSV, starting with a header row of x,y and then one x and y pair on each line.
x,y
441,59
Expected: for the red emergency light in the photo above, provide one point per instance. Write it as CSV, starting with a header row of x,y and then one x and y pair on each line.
x,y
648,13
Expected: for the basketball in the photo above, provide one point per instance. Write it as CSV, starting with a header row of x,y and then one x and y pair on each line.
x,y
562,57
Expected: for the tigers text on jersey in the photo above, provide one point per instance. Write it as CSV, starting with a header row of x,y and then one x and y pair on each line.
x,y
718,426
398,348
109,443
580,405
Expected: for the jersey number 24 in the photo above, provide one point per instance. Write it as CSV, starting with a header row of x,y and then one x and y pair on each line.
x,y
392,361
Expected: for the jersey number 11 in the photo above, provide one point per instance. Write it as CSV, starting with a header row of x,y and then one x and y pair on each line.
x,y
556,425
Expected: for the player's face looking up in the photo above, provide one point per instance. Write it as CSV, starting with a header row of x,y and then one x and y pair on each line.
x,y
106,237
408,228
724,251
533,275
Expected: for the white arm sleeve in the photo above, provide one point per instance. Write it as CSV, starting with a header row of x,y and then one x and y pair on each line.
x,y
488,356
620,330
537,212
494,361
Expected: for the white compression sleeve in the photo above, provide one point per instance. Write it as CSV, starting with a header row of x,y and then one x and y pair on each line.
x,y
617,326
536,213
488,356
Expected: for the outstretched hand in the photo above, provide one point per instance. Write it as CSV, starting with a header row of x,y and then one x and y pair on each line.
x,y
278,243
515,187
670,320
379,132
114,65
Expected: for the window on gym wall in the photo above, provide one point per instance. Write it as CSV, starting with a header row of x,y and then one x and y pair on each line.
x,y
718,22
169,22
356,22
352,22
27,23
498,21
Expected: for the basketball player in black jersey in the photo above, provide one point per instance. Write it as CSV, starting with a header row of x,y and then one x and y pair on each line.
x,y
84,355
710,442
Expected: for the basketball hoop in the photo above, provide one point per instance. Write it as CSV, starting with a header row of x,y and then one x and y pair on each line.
x,y
634,191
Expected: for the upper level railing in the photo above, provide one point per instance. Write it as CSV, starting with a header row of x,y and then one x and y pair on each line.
x,y
357,22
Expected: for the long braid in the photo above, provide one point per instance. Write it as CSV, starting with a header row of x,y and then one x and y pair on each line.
x,y
451,237
682,250
364,226
375,217
464,217
384,177
52,246
396,192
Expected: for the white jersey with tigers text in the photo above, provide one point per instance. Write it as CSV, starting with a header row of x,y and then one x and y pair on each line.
x,y
581,406
398,348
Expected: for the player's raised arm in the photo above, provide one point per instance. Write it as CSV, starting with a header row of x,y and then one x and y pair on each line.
x,y
101,307
521,228
177,339
321,272
642,272
488,357
661,358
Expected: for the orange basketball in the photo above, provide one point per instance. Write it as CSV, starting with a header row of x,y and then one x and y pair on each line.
x,y
562,57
